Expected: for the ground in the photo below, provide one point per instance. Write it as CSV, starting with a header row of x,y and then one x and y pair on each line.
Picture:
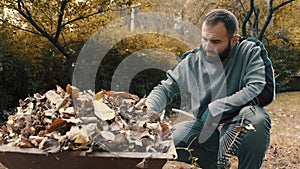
x,y
284,149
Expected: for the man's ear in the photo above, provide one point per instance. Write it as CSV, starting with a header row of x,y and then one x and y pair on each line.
x,y
234,39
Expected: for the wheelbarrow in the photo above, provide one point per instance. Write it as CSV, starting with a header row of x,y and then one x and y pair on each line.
x,y
34,158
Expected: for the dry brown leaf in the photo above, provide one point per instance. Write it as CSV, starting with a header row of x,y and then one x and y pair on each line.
x,y
39,97
73,91
102,111
62,104
53,97
120,139
107,135
56,124
143,164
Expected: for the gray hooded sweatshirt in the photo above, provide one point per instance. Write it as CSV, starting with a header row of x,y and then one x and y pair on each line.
x,y
244,78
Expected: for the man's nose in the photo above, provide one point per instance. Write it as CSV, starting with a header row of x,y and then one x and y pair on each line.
x,y
207,46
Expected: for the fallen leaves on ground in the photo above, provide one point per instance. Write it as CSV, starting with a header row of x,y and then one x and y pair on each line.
x,y
178,165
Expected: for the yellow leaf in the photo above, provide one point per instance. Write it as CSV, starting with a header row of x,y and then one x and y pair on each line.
x,y
98,95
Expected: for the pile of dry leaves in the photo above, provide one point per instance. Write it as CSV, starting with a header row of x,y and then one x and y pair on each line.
x,y
70,119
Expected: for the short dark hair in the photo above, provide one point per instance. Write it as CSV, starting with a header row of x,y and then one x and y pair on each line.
x,y
225,16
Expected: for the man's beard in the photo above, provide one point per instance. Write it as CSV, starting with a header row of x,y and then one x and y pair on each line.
x,y
223,55
217,57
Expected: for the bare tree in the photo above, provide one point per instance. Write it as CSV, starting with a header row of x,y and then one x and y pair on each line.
x,y
254,10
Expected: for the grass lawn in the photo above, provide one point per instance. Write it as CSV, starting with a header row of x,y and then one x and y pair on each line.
x,y
285,133
284,148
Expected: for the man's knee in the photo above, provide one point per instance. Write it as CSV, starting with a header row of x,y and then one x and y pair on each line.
x,y
256,115
260,138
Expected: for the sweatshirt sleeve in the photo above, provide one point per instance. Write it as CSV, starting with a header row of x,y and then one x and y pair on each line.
x,y
180,78
162,94
268,93
257,84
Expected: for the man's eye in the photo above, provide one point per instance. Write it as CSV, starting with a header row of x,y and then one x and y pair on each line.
x,y
215,41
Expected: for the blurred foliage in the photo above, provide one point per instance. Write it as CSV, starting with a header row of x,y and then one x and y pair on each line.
x,y
283,43
35,58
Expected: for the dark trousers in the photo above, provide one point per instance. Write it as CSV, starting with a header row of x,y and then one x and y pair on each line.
x,y
251,148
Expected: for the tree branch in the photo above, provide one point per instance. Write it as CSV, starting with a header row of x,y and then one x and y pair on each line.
x,y
203,11
26,30
100,10
255,24
242,5
22,5
20,28
29,18
247,18
282,4
270,15
79,18
60,18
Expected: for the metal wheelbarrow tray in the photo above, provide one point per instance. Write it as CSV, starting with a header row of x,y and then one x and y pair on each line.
x,y
33,158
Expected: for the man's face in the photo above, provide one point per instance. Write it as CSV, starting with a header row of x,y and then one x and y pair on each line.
x,y
216,43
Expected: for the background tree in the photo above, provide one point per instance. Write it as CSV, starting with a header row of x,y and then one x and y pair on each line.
x,y
279,33
254,12
57,21
46,37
